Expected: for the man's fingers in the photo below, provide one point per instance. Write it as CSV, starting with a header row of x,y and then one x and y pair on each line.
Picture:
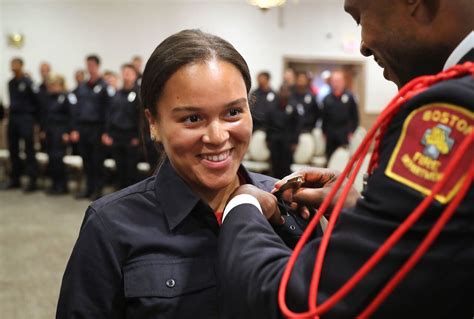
x,y
312,197
313,177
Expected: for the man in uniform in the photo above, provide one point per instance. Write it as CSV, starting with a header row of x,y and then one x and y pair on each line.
x,y
304,102
261,100
23,114
340,115
122,128
408,38
88,126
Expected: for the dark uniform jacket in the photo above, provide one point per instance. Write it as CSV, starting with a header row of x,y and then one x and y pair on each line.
x,y
148,251
283,123
340,115
56,111
307,107
23,98
252,258
260,104
122,112
92,103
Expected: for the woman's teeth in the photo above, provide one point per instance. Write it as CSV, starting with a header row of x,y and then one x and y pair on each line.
x,y
217,158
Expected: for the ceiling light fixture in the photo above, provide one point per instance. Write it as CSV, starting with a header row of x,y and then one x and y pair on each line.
x,y
266,4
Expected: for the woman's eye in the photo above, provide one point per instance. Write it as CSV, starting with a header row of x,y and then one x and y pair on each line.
x,y
192,119
234,112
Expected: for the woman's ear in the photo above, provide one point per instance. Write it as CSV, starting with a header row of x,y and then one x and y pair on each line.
x,y
153,124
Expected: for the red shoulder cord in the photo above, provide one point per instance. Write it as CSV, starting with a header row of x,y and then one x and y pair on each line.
x,y
375,134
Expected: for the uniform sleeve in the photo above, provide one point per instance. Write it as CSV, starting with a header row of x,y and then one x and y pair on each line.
x,y
252,258
91,285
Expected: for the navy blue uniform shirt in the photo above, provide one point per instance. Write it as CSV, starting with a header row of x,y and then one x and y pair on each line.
x,y
122,113
23,98
149,251
92,102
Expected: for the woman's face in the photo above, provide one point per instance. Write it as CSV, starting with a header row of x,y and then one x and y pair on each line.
x,y
204,123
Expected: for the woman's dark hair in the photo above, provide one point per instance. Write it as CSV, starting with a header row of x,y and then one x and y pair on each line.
x,y
180,49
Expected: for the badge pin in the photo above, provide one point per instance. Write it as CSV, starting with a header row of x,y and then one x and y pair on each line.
x,y
61,99
110,91
270,97
72,98
131,96
308,98
97,89
345,98
300,109
289,109
21,87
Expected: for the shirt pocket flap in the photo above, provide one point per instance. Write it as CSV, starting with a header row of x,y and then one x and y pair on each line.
x,y
168,279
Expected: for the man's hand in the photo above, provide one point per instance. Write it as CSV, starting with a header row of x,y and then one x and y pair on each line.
x,y
267,201
318,183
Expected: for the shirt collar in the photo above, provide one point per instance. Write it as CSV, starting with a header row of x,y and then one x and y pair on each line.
x,y
461,50
176,198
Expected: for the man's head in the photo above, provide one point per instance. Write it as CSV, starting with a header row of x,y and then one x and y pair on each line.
x,y
137,63
263,80
337,82
129,75
111,78
79,76
302,82
17,66
45,70
93,65
410,38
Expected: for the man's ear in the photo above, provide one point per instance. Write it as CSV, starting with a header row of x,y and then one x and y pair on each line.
x,y
153,124
424,11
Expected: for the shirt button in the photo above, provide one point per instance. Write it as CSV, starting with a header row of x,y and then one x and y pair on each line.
x,y
170,283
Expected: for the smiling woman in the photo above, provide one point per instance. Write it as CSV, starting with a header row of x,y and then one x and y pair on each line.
x,y
150,250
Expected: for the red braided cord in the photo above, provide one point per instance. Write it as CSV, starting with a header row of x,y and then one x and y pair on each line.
x,y
414,87
434,232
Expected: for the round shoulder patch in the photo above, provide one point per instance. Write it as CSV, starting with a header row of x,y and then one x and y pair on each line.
x,y
270,97
131,96
72,98
429,137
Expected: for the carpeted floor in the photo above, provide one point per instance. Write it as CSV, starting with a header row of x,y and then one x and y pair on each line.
x,y
37,233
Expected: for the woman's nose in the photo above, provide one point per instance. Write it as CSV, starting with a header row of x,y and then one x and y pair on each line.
x,y
216,133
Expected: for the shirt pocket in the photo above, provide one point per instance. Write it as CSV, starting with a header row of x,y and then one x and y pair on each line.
x,y
168,279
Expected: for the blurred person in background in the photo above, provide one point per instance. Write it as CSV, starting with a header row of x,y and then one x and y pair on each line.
x,y
261,98
112,79
137,63
340,114
88,126
23,114
79,77
303,100
283,126
289,78
122,127
55,127
44,70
